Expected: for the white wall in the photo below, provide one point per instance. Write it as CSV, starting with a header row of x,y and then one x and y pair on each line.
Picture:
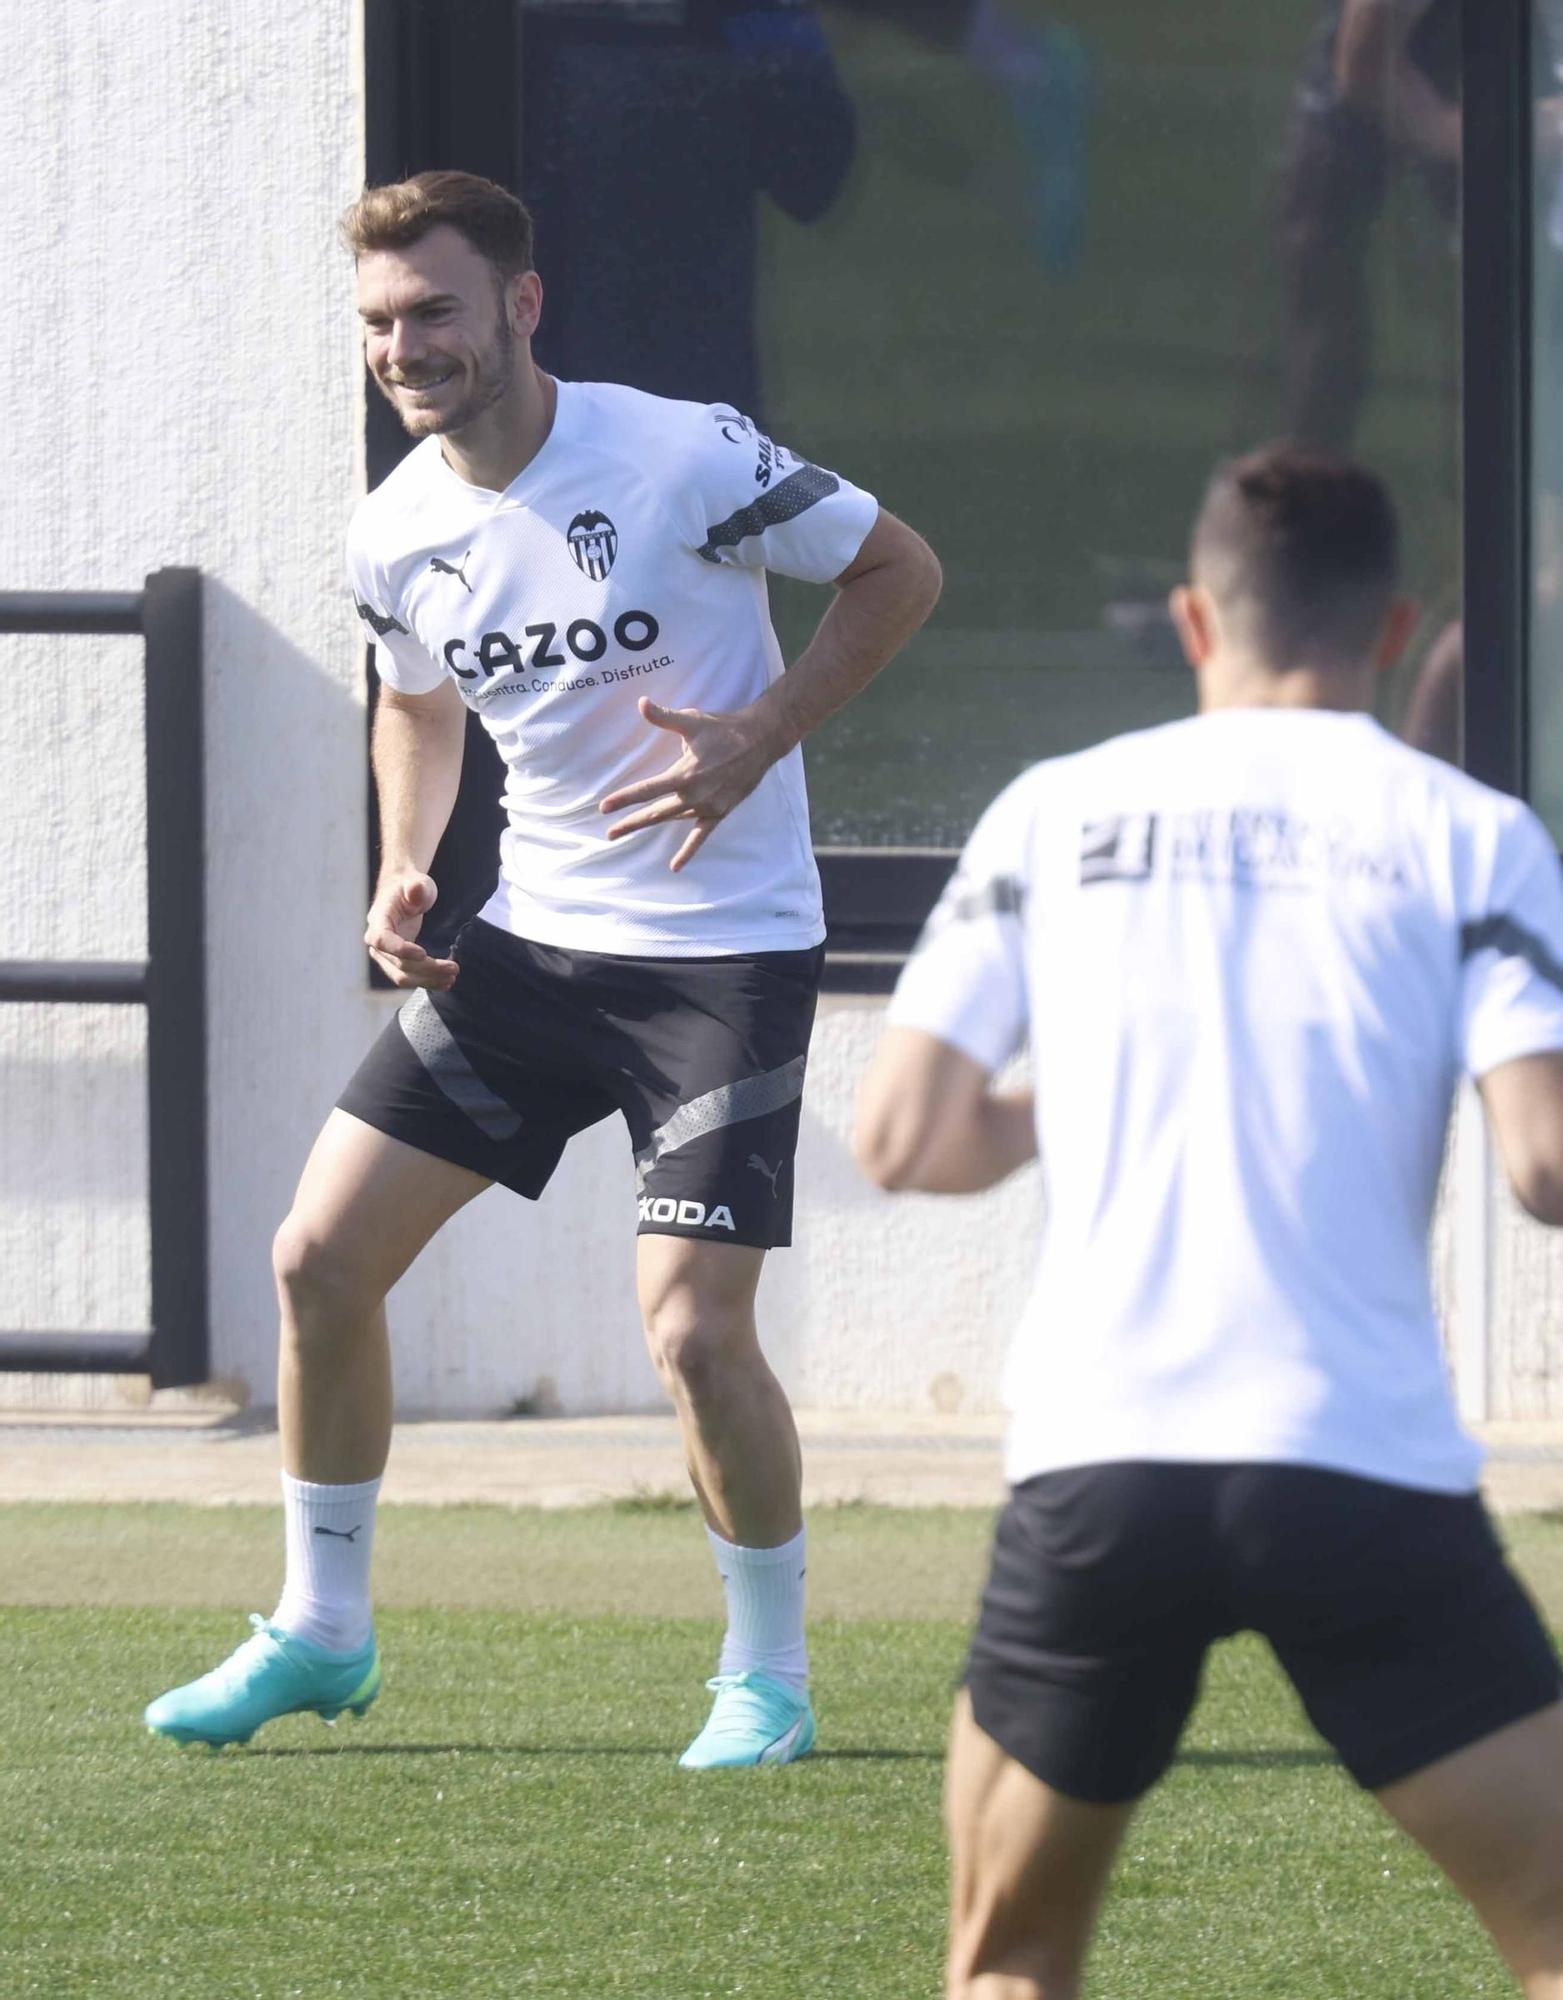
x,y
183,391
186,391
887,1304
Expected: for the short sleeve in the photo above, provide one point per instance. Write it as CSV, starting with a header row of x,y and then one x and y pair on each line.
x,y
966,980
1512,953
755,504
399,659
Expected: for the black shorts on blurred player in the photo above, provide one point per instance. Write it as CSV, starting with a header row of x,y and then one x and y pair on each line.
x,y
1392,1611
704,1057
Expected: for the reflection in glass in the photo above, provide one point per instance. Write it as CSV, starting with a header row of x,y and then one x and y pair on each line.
x,y
1084,250
1024,268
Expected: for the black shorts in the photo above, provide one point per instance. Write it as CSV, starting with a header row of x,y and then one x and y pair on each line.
x,y
1392,1611
703,1056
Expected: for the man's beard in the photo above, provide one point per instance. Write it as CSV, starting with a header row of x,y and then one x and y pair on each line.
x,y
495,372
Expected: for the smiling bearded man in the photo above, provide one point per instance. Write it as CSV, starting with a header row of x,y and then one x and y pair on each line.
x,y
583,566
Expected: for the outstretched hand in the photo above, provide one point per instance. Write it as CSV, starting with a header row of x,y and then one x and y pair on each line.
x,y
724,757
395,918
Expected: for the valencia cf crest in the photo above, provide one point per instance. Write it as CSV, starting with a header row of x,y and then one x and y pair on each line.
x,y
594,542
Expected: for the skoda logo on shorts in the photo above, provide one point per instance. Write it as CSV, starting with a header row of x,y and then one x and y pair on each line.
x,y
594,542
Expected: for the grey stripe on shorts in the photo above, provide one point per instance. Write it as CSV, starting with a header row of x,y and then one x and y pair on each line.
x,y
438,1050
750,1097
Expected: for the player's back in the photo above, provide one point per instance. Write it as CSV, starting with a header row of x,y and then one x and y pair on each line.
x,y
1255,949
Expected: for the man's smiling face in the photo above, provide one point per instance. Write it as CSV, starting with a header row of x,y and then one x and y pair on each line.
x,y
438,333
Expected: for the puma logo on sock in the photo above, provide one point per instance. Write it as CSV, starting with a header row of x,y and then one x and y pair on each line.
x,y
341,1534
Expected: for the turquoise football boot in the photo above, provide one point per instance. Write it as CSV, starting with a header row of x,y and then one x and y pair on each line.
x,y
271,1674
754,1720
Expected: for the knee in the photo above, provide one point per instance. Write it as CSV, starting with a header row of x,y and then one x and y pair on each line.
x,y
687,1346
315,1278
684,1349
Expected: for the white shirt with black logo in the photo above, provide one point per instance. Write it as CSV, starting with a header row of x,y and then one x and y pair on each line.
x,y
1252,953
627,559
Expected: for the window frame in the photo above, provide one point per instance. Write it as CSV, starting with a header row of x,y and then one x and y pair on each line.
x,y
1495,416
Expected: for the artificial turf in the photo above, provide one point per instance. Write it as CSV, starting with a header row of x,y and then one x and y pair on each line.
x,y
509,1819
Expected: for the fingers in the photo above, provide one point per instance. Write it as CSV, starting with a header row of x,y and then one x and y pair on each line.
x,y
657,815
408,895
669,718
407,964
647,788
666,796
692,846
439,974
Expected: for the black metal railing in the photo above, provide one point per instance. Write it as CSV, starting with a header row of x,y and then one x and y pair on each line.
x,y
171,984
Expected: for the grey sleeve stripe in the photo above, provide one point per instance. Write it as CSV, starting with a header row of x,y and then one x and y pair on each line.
x,y
795,495
1513,940
1003,896
382,621
750,1097
436,1048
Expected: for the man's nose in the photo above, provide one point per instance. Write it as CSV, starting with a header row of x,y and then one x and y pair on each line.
x,y
405,344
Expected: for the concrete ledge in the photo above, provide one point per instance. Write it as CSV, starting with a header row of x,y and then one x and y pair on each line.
x,y
229,1457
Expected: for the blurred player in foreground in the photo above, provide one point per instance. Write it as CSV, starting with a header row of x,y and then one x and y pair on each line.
x,y
1253,952
583,566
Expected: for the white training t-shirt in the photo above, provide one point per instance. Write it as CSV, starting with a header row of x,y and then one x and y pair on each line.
x,y
1253,952
627,559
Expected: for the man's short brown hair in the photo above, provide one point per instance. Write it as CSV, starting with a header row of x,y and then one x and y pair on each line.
x,y
490,217
1300,550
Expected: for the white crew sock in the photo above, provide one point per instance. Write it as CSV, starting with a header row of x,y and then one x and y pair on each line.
x,y
764,1590
325,1592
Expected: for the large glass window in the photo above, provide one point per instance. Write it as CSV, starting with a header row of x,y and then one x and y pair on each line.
x,y
1082,250
1025,268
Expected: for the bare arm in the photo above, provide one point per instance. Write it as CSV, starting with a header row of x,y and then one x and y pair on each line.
x,y
881,600
1377,78
928,1118
416,750
1524,1101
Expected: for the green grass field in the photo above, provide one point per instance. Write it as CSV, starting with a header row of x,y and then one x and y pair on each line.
x,y
509,1819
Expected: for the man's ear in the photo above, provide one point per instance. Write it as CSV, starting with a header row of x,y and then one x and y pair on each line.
x,y
1197,620
524,303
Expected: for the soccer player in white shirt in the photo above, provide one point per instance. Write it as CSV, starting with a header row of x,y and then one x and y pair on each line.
x,y
583,566
1252,952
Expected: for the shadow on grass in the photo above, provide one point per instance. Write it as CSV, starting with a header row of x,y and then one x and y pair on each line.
x,y
659,1752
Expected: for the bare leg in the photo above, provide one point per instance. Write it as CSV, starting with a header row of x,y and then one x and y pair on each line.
x,y
740,1442
1029,1868
1491,1816
366,1205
